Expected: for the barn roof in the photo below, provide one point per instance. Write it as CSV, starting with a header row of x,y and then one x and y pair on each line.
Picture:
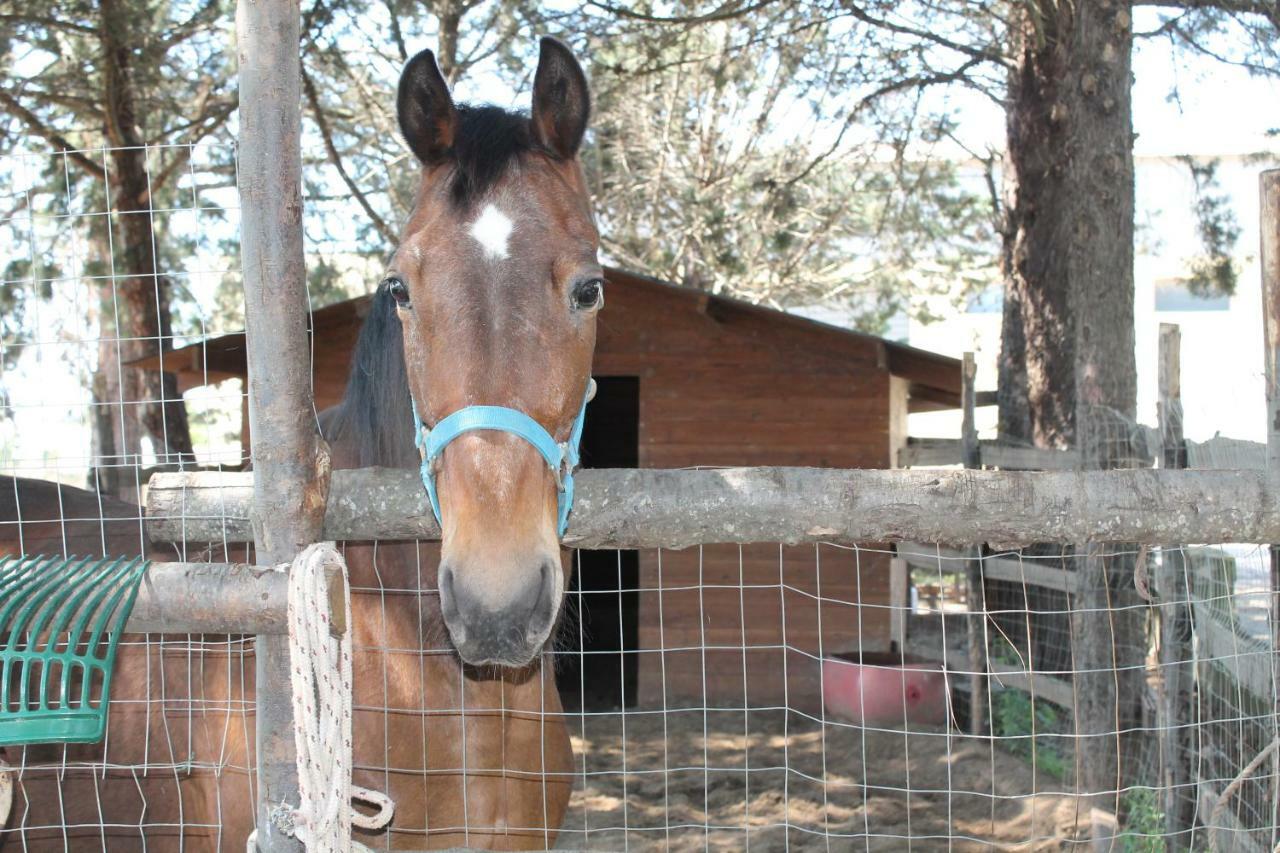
x,y
934,378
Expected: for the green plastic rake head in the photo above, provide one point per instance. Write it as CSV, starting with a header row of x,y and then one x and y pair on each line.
x,y
60,623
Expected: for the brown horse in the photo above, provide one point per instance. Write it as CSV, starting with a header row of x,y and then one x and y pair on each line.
x,y
173,770
490,299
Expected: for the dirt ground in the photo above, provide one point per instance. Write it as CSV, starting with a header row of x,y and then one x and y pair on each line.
x,y
885,790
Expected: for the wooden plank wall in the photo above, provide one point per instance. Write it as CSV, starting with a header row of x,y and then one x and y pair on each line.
x,y
732,389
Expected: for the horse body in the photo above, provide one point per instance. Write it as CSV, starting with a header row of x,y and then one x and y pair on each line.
x,y
173,770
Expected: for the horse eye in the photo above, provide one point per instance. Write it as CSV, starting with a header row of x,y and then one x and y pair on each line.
x,y
588,294
398,289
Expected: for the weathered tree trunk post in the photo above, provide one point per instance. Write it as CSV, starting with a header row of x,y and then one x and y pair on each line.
x,y
1068,259
975,592
290,463
1176,673
1269,225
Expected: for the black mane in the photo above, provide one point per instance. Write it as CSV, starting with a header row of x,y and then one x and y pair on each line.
x,y
486,142
375,418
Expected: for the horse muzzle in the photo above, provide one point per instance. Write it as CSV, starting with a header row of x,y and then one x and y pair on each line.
x,y
500,624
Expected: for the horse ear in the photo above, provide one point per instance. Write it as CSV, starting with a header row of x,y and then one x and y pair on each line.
x,y
561,102
425,110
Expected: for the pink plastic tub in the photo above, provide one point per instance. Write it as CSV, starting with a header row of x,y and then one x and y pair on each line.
x,y
883,691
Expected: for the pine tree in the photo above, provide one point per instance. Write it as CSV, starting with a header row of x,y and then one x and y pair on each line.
x,y
136,76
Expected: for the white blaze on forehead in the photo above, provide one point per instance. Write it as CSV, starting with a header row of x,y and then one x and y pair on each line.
x,y
492,230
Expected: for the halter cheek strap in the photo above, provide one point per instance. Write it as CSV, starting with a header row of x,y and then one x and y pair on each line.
x,y
561,457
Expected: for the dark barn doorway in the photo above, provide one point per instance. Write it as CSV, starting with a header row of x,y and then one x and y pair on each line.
x,y
597,664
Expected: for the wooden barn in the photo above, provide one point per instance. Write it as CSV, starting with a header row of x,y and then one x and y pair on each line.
x,y
691,379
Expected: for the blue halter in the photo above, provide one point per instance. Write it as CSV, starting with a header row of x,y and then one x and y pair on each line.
x,y
562,458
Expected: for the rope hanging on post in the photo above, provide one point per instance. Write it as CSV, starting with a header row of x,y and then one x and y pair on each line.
x,y
320,671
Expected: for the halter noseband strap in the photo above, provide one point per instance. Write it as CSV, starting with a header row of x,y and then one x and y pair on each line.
x,y
561,457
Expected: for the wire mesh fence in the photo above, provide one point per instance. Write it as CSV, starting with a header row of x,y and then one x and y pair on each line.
x,y
94,287
733,697
764,707
720,697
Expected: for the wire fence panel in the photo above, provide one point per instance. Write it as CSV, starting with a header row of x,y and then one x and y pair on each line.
x,y
717,697
90,291
95,293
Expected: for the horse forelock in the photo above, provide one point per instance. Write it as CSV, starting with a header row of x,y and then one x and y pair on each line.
x,y
488,141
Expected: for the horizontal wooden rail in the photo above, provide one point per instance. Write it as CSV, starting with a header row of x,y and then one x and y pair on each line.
x,y
932,452
1031,571
648,508
219,598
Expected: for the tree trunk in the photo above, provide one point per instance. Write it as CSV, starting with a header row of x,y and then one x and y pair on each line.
x,y
141,294
114,443
1069,323
1069,243
449,15
1014,424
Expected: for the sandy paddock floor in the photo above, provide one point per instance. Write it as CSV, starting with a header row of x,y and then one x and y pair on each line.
x,y
885,790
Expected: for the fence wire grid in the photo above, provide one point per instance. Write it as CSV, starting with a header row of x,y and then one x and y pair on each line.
x,y
780,716
721,697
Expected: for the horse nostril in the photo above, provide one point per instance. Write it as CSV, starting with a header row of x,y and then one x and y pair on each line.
x,y
543,610
449,602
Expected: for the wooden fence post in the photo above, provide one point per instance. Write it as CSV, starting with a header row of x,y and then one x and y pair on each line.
x,y
1269,225
1177,675
976,591
290,463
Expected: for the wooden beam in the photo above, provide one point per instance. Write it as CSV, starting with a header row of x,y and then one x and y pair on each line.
x,y
1169,404
899,601
1177,661
970,448
1269,226
290,463
648,508
975,583
221,598
925,398
933,452
1028,571
1039,685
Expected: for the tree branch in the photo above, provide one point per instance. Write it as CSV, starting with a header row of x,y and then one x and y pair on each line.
x,y
12,106
334,157
202,17
916,82
396,35
986,54
724,13
1246,7
54,23
214,119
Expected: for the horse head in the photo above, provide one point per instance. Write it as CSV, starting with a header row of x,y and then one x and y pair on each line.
x,y
497,285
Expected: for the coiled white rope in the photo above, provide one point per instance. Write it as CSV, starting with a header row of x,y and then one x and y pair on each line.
x,y
320,672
